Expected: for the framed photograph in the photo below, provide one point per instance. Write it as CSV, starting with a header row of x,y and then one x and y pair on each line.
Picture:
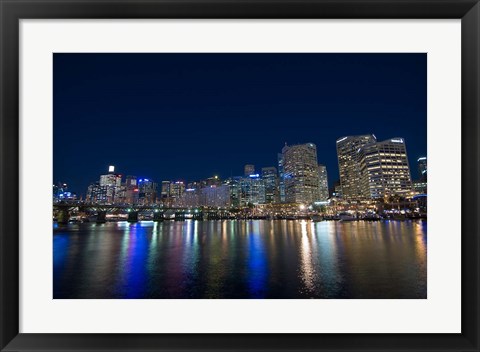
x,y
229,175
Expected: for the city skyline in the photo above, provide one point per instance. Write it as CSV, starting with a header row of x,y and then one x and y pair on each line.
x,y
375,169
415,173
191,116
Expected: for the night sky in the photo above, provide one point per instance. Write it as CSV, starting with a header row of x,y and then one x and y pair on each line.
x,y
191,116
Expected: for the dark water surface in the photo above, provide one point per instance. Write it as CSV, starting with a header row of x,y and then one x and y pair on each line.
x,y
241,259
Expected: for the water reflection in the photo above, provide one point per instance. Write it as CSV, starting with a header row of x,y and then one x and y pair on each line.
x,y
307,256
241,259
133,264
257,263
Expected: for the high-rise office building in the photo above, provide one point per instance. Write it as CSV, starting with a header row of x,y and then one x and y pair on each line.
x,y
165,189
385,170
177,189
270,180
422,168
281,181
252,190
147,191
248,170
131,190
165,193
323,182
235,185
110,182
349,164
300,168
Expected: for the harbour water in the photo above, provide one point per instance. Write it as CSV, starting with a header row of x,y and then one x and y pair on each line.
x,y
289,259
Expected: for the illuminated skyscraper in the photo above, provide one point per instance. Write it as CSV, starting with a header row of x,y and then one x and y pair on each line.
x,y
300,167
385,170
165,193
147,191
252,190
165,189
110,183
323,182
349,164
131,192
177,189
281,180
235,186
110,180
270,180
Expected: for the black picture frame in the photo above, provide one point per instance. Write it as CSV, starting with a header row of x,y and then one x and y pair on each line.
x,y
11,11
